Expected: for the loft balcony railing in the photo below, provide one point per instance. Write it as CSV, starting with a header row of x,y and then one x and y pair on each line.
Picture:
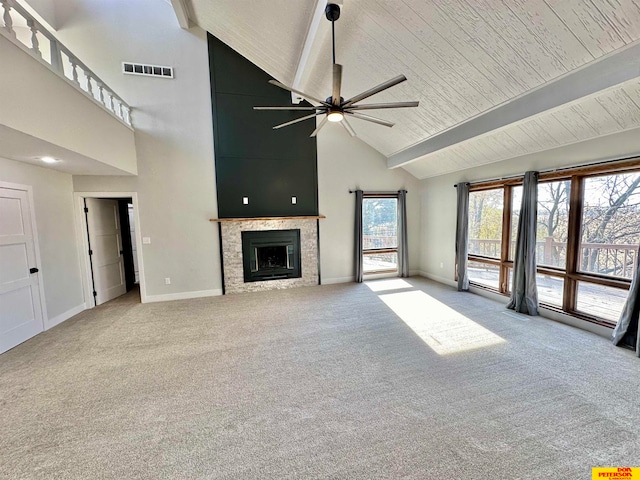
x,y
19,26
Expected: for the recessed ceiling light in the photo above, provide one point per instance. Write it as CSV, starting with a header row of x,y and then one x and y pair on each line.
x,y
49,160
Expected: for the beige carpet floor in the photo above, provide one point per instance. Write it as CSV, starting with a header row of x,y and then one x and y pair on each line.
x,y
391,379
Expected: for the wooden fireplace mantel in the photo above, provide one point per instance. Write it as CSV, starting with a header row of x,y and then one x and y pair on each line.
x,y
302,217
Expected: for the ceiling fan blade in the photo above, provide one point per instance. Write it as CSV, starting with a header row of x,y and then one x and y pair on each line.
x,y
347,126
374,90
362,116
287,108
320,125
337,84
302,94
376,106
301,119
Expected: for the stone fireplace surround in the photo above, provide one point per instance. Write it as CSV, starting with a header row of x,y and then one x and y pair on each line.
x,y
231,246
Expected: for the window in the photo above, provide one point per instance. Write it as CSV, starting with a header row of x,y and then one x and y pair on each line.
x,y
488,250
516,201
610,225
483,273
379,234
550,289
485,223
553,223
600,300
587,237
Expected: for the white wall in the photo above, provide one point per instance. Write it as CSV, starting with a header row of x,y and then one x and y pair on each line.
x,y
439,196
43,10
53,206
174,139
38,102
346,163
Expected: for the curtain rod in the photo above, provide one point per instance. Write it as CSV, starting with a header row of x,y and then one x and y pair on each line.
x,y
393,192
554,170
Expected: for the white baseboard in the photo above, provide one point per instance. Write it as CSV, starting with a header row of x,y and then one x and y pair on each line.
x,y
182,295
52,322
331,281
575,322
446,281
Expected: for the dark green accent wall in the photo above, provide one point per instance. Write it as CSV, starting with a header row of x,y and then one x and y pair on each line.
x,y
253,160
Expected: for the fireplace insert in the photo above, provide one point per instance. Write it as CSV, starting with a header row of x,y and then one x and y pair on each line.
x,y
271,255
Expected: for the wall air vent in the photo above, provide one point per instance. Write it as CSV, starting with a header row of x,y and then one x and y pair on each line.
x,y
147,70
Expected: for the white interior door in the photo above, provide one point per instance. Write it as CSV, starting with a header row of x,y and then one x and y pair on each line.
x,y
105,243
20,307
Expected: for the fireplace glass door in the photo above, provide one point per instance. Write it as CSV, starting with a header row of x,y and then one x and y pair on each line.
x,y
271,255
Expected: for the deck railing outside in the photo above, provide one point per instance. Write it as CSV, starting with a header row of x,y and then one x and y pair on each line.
x,y
602,258
19,26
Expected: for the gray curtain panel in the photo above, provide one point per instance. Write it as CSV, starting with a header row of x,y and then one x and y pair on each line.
x,y
358,237
524,292
403,247
462,236
626,331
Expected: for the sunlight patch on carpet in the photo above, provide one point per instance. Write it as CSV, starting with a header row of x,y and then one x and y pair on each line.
x,y
442,328
393,284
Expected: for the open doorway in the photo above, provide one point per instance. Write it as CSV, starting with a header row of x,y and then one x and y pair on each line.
x,y
109,230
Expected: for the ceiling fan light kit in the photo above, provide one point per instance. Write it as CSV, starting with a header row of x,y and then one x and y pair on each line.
x,y
335,116
335,108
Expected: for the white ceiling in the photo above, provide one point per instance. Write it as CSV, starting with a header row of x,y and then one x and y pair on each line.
x,y
462,58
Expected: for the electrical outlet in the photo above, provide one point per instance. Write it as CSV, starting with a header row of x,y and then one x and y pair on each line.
x,y
245,200
441,265
146,240
167,281
294,200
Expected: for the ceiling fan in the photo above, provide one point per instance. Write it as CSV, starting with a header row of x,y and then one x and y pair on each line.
x,y
335,108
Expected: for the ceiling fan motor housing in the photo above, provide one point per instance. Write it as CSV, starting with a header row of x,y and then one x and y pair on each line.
x,y
332,12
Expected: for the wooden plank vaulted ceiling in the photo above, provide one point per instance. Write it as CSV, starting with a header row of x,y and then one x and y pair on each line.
x,y
467,61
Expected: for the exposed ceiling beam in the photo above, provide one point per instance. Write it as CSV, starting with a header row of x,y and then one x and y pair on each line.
x,y
310,40
605,73
182,8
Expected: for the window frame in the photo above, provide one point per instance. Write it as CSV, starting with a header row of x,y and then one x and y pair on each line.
x,y
377,251
571,274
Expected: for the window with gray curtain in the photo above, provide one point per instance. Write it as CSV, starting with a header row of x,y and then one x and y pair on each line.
x,y
626,331
381,233
524,292
462,236
579,252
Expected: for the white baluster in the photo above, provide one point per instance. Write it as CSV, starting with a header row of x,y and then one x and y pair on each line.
x,y
110,102
74,69
56,56
6,17
100,93
127,115
35,43
87,75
